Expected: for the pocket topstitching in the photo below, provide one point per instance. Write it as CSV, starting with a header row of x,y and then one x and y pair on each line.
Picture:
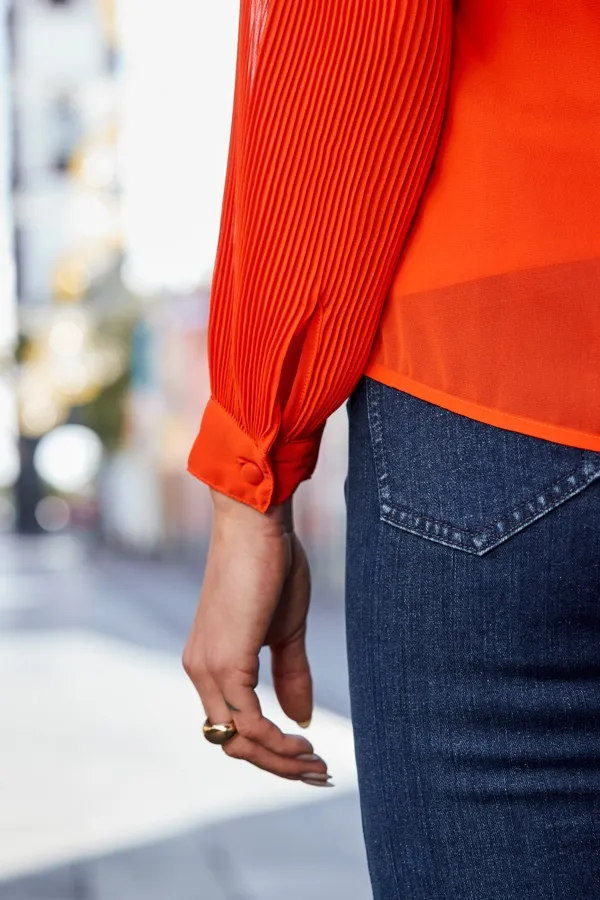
x,y
462,482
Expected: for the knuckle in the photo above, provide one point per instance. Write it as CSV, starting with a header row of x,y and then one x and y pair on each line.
x,y
252,727
234,749
190,664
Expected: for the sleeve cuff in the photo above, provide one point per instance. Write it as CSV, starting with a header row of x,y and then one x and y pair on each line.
x,y
226,458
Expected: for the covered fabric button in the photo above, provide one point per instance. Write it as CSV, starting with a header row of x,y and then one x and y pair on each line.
x,y
252,473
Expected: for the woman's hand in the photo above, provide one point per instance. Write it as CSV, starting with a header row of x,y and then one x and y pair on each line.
x,y
256,593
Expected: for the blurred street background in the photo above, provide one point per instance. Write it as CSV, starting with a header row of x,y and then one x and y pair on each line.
x,y
114,130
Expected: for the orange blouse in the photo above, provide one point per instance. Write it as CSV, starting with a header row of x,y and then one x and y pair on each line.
x,y
412,191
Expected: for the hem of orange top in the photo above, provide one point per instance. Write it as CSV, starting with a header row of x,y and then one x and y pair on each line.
x,y
559,435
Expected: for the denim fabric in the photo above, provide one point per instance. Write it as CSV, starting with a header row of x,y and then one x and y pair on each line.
x,y
473,634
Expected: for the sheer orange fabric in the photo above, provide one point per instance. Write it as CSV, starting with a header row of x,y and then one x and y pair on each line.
x,y
494,311
489,305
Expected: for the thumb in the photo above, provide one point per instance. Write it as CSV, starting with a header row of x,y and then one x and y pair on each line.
x,y
292,679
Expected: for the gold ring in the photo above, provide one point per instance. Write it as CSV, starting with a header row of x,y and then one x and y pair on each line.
x,y
218,734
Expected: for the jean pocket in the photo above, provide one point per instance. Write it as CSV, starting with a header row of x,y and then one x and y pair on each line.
x,y
461,482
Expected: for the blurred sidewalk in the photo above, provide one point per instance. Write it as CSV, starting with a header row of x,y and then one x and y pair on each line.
x,y
108,790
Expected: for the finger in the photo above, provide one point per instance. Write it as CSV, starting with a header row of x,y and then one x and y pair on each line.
x,y
240,747
292,679
216,710
304,762
215,707
253,725
240,705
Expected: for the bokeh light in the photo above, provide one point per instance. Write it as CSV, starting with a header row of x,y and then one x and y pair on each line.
x,y
66,337
68,458
52,514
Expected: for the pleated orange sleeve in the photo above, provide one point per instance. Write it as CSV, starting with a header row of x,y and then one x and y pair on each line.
x,y
337,111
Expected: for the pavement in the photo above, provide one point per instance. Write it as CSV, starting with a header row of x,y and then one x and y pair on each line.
x,y
108,790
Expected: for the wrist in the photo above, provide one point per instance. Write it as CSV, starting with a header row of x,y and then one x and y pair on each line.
x,y
278,517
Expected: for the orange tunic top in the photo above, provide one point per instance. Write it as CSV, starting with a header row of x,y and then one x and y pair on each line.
x,y
412,191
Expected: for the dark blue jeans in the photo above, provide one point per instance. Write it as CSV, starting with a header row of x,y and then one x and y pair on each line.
x,y
473,633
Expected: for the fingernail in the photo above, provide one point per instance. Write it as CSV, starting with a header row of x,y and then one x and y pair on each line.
x,y
305,724
310,757
315,783
316,776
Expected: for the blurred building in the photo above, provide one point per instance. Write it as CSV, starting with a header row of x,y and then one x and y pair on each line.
x,y
119,161
63,93
66,226
8,319
9,461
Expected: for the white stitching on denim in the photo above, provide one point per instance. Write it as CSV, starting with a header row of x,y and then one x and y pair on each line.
x,y
479,542
376,432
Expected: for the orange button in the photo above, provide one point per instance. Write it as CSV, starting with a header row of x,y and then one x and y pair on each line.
x,y
252,473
